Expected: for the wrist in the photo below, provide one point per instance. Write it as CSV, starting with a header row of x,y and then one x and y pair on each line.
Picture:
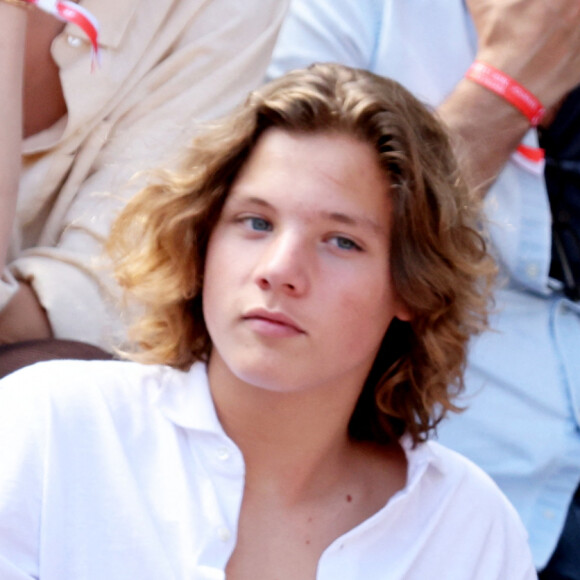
x,y
500,83
475,110
485,130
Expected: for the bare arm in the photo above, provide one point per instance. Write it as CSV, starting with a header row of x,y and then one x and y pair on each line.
x,y
12,42
535,42
22,317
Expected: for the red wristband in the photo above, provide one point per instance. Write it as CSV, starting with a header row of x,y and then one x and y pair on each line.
x,y
70,12
498,82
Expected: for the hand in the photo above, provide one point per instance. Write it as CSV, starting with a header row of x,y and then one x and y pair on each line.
x,y
536,42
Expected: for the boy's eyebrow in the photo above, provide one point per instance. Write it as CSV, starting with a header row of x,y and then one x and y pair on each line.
x,y
351,220
256,200
336,216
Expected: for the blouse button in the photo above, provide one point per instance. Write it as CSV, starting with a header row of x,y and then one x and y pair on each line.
x,y
73,41
532,270
223,453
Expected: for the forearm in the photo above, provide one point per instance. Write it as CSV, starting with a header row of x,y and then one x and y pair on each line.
x,y
22,317
12,42
485,131
538,45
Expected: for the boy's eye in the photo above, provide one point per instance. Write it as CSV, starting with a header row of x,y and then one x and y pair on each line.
x,y
345,243
258,224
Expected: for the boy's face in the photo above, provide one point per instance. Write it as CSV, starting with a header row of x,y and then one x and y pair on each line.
x,y
297,287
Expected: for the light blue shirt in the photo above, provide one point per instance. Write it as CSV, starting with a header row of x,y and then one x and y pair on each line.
x,y
523,380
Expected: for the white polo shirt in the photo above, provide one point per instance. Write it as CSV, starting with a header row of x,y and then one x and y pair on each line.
x,y
121,471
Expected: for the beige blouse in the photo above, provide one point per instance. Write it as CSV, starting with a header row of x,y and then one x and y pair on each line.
x,y
165,66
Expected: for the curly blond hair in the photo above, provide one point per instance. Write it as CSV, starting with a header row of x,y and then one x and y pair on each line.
x,y
440,266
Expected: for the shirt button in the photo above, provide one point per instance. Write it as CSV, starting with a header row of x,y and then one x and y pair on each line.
x,y
532,270
223,453
549,514
224,534
73,41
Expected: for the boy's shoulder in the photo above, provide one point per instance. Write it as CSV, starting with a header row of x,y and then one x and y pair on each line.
x,y
70,386
467,485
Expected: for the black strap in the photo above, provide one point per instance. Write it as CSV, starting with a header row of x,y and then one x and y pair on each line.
x,y
561,141
565,561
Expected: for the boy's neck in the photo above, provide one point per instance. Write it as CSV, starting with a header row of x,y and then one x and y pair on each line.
x,y
294,444
306,482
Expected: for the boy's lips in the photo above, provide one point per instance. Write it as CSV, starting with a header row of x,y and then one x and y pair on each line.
x,y
274,318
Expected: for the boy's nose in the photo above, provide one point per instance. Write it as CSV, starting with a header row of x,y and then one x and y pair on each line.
x,y
283,266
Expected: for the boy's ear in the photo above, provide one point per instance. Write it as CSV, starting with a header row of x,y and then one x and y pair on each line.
x,y
403,313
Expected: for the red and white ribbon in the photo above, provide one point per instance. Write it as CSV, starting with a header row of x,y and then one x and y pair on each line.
x,y
532,159
503,85
71,12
